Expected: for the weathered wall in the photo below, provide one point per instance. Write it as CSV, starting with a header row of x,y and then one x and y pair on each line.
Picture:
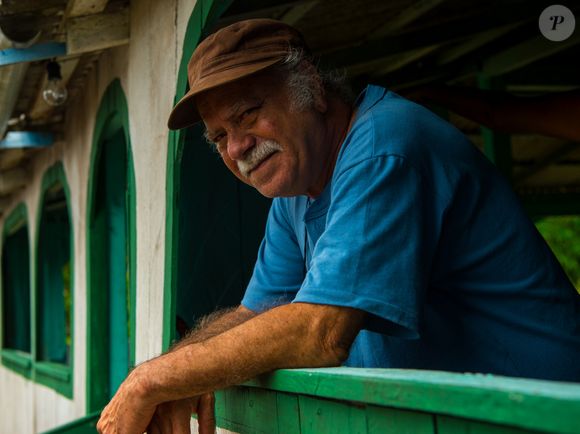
x,y
147,69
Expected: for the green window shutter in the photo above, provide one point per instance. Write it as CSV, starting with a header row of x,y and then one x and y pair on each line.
x,y
16,291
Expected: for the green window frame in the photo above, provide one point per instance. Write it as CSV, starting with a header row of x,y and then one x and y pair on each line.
x,y
204,15
16,352
111,139
53,285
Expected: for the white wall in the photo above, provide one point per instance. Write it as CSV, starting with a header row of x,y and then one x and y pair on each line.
x,y
147,68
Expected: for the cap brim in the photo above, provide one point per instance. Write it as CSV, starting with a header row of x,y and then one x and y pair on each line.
x,y
185,113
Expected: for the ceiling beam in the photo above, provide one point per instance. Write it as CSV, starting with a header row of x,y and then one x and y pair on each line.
x,y
79,8
553,157
12,180
456,31
26,139
10,56
404,18
475,42
525,53
97,32
296,13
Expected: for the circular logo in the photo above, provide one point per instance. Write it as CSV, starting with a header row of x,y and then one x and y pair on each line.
x,y
557,23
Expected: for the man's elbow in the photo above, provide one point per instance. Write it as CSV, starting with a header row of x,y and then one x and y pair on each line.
x,y
333,331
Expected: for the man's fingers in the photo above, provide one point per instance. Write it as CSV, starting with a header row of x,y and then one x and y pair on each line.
x,y
206,414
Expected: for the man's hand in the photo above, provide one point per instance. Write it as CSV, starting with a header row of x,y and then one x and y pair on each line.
x,y
130,410
174,417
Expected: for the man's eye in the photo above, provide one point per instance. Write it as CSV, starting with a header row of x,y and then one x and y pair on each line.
x,y
219,142
247,114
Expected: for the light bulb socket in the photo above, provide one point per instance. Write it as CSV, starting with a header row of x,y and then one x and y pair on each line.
x,y
53,70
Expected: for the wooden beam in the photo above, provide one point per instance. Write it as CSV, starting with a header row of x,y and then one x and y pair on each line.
x,y
97,32
11,158
456,31
296,13
474,43
551,158
4,203
400,60
26,139
405,17
12,180
79,8
48,50
527,52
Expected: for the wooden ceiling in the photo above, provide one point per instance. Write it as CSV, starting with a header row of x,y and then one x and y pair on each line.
x,y
396,43
405,43
85,27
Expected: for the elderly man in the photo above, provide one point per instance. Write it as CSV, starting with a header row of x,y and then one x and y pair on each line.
x,y
391,242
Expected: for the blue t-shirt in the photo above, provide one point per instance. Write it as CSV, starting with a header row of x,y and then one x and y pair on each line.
x,y
419,230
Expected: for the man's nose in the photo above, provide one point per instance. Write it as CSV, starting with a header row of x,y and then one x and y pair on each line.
x,y
238,144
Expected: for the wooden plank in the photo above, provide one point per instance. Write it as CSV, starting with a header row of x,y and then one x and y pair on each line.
x,y
415,11
297,12
319,416
381,420
403,59
78,8
244,409
474,43
524,53
97,32
288,413
531,404
547,160
449,425
26,139
10,56
13,180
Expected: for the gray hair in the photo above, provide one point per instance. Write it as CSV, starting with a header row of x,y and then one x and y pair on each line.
x,y
303,82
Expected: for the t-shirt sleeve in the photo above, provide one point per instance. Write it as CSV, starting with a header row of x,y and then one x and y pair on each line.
x,y
375,252
279,269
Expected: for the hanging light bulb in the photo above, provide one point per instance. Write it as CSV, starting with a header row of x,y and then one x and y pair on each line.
x,y
54,92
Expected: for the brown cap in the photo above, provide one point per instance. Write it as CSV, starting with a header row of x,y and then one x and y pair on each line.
x,y
231,53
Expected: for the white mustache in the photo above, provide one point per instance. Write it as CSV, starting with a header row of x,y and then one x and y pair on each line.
x,y
256,155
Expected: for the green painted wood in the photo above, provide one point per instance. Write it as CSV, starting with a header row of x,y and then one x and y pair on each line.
x,y
203,16
381,420
497,146
16,338
111,123
83,425
17,361
322,416
53,293
288,407
450,425
247,410
529,404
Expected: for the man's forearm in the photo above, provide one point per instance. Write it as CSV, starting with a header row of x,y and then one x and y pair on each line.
x,y
214,324
290,336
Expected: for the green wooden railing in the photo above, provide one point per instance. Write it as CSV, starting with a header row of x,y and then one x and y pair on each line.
x,y
389,401
343,400
84,425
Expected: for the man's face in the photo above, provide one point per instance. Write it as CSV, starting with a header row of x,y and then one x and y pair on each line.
x,y
261,140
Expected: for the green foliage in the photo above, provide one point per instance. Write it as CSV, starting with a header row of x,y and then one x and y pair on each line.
x,y
563,236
